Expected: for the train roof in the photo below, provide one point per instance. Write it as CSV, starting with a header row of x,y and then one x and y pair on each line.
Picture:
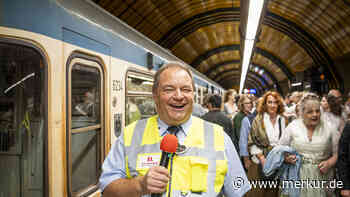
x,y
83,23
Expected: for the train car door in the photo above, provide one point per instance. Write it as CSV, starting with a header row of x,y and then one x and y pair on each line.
x,y
86,112
23,118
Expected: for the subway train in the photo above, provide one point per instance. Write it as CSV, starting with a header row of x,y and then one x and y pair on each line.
x,y
72,76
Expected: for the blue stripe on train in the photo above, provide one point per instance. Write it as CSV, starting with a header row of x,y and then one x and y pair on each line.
x,y
47,18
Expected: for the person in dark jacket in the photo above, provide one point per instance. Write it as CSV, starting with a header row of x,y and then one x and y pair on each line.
x,y
343,163
216,116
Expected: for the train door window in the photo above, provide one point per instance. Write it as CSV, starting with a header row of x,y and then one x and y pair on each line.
x,y
196,98
200,95
22,120
85,130
205,92
139,101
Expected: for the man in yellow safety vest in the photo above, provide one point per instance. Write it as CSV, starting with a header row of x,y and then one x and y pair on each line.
x,y
207,164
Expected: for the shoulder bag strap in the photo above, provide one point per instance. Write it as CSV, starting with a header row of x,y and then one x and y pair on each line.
x,y
280,127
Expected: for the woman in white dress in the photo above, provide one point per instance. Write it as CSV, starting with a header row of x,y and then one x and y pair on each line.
x,y
316,142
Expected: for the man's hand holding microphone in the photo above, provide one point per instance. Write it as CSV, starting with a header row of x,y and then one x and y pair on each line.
x,y
157,178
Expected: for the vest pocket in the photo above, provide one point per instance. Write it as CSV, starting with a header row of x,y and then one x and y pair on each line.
x,y
199,174
181,177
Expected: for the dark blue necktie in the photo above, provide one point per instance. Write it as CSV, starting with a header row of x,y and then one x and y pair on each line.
x,y
174,129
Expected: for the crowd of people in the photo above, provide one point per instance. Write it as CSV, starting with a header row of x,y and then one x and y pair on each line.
x,y
302,136
312,128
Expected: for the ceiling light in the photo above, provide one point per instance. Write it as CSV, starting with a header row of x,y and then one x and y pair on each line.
x,y
254,13
296,84
261,72
256,69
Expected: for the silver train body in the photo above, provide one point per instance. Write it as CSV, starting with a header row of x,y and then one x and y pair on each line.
x,y
72,76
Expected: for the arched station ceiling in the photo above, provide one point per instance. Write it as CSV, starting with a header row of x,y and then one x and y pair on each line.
x,y
251,84
295,35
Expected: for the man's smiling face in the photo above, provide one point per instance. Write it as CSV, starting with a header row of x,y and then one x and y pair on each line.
x,y
174,96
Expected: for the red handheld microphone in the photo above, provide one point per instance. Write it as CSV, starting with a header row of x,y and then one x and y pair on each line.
x,y
168,146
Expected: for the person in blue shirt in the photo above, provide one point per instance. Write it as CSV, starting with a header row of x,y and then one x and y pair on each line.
x,y
252,170
126,175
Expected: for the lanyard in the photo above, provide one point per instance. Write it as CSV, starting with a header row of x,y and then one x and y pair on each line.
x,y
171,172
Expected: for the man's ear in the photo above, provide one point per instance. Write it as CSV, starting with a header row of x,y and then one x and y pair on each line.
x,y
155,97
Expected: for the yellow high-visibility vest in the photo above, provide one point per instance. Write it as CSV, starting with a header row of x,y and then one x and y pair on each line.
x,y
199,171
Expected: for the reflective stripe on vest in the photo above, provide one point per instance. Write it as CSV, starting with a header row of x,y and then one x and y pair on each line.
x,y
205,156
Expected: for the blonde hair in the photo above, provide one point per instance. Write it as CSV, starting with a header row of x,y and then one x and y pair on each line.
x,y
241,100
228,93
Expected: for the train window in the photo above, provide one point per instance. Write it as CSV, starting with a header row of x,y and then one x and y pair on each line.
x,y
139,101
196,98
22,120
205,91
85,96
200,95
85,141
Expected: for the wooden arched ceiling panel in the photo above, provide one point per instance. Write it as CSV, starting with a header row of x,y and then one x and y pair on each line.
x,y
220,72
154,18
267,75
216,74
287,49
227,75
214,67
268,79
217,69
216,59
206,38
258,78
227,48
234,79
268,65
308,42
327,20
231,83
295,33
